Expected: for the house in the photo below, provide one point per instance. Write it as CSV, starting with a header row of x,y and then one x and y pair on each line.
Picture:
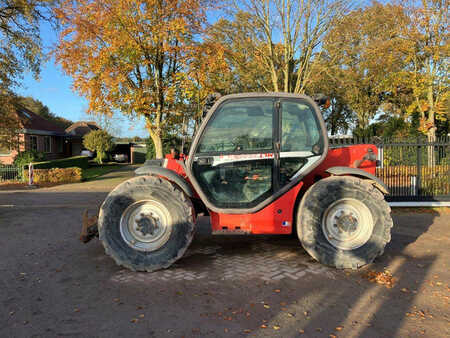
x,y
37,133
76,132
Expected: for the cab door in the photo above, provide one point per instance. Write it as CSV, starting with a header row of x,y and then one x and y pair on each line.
x,y
302,142
234,159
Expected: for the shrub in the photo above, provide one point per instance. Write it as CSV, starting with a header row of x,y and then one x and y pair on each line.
x,y
99,141
57,175
76,161
24,158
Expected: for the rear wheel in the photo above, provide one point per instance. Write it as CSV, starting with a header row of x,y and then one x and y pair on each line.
x,y
146,223
344,222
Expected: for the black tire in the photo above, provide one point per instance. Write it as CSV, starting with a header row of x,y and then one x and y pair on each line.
x,y
314,207
143,188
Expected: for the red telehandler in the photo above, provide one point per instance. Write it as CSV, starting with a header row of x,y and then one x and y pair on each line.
x,y
258,164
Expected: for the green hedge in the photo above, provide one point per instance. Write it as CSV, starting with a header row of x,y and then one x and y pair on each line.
x,y
70,162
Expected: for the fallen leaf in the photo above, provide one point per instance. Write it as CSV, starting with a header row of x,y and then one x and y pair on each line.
x,y
405,290
116,300
263,326
266,306
319,329
141,316
247,331
290,314
339,328
301,331
283,303
134,320
76,310
332,336
277,290
383,278
438,283
276,327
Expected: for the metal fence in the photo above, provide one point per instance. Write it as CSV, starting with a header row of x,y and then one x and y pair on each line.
x,y
413,169
11,173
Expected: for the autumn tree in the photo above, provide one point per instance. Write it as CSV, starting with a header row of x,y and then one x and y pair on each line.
x,y
361,57
339,117
130,55
282,37
208,72
233,39
426,49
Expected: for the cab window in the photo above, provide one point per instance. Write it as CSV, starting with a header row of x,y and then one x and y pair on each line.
x,y
239,126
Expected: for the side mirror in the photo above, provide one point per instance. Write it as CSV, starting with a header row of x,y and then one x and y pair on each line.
x,y
210,100
322,100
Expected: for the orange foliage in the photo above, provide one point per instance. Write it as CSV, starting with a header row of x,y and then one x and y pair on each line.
x,y
129,55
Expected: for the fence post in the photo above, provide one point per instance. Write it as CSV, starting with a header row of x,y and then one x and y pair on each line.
x,y
30,174
419,169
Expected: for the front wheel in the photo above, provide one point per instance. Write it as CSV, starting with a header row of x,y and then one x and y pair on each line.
x,y
146,223
344,222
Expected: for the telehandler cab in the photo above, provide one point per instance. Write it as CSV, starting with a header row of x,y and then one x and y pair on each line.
x,y
258,164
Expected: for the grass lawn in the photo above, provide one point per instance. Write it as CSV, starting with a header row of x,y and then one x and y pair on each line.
x,y
97,170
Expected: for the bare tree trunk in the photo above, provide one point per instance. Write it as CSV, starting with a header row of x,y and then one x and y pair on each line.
x,y
431,131
431,137
183,133
157,142
155,134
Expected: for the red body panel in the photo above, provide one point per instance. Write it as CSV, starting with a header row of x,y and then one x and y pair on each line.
x,y
270,220
342,157
276,218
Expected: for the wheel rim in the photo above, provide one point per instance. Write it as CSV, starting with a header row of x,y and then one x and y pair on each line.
x,y
347,224
145,225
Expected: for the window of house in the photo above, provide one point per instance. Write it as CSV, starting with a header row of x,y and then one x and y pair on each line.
x,y
59,144
33,143
47,144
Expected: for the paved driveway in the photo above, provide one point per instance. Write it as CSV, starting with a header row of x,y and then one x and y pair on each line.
x,y
52,285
